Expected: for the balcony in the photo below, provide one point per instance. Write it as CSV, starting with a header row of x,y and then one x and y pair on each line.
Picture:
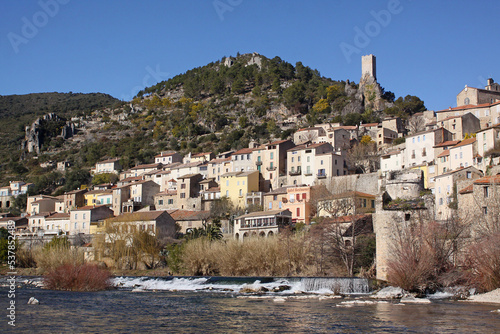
x,y
295,172
271,168
258,163
308,173
321,176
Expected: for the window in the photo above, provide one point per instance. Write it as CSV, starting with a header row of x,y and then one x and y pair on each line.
x,y
183,195
308,159
227,183
76,226
160,202
304,195
423,138
272,155
373,203
486,192
298,212
270,205
418,139
485,210
413,140
227,193
84,216
241,192
235,158
280,204
275,197
321,161
292,159
170,201
440,201
469,175
83,226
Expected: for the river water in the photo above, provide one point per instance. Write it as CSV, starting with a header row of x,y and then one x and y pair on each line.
x,y
199,305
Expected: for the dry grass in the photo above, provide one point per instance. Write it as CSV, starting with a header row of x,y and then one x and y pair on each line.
x,y
52,258
484,262
276,256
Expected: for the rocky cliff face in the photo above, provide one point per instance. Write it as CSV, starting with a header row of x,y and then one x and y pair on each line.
x,y
44,128
371,92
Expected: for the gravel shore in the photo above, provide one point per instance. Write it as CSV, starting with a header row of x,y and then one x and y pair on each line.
x,y
488,297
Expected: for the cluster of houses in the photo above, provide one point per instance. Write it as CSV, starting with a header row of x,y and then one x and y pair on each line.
x,y
450,150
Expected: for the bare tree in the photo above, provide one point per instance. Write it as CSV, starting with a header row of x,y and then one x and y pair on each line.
x,y
363,157
416,124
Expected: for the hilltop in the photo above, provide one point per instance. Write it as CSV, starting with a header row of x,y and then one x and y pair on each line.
x,y
218,107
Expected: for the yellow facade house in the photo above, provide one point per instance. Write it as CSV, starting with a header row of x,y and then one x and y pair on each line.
x,y
235,186
91,197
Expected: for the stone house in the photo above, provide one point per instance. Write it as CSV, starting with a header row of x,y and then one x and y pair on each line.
x,y
74,199
157,223
107,166
188,192
166,200
168,157
463,154
346,204
475,96
479,203
488,139
271,161
189,219
305,165
141,194
461,125
487,113
445,189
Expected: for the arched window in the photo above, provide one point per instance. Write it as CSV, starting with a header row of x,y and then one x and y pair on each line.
x,y
466,101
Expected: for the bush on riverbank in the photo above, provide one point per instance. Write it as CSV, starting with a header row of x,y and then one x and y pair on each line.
x,y
77,277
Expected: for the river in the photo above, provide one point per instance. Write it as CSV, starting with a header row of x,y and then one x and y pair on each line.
x,y
198,305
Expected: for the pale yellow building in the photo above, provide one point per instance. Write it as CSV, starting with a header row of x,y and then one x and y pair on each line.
x,y
235,186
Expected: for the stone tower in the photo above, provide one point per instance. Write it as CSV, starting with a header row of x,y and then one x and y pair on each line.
x,y
369,66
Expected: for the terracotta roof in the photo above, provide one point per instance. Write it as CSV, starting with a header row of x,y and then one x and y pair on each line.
x,y
137,216
244,151
146,166
213,190
131,179
109,161
448,143
444,154
370,124
201,154
165,154
490,127
393,152
188,176
494,179
239,173
451,117
467,189
191,164
469,106
219,160
306,146
180,215
465,142
277,142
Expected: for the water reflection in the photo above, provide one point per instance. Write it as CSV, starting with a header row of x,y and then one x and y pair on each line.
x,y
208,312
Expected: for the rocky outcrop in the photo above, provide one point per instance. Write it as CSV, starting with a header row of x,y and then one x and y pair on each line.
x,y
43,128
371,93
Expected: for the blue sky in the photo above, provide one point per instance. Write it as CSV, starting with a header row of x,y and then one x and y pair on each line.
x,y
430,49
